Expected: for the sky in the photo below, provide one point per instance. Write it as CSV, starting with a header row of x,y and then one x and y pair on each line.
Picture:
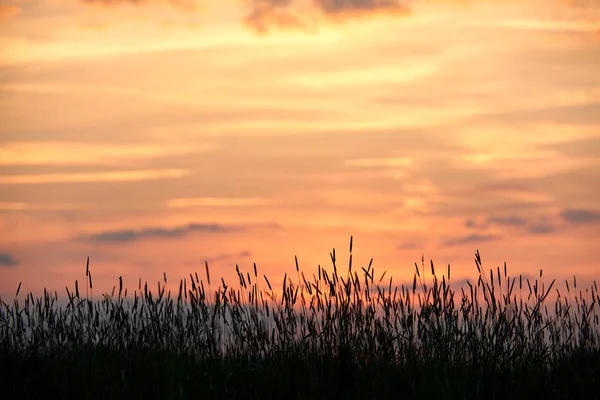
x,y
156,135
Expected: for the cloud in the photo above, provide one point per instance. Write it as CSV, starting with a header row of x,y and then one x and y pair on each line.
x,y
38,206
542,229
561,26
538,228
266,14
408,246
380,162
80,153
473,238
269,14
576,148
6,260
344,7
224,257
580,216
114,2
470,223
578,114
198,263
130,235
220,202
507,221
511,220
87,177
182,5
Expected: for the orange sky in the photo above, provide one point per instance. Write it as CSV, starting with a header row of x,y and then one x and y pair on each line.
x,y
153,135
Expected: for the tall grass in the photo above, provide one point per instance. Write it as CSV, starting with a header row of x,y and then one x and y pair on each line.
x,y
338,333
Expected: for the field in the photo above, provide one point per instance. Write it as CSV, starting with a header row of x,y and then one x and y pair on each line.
x,y
349,334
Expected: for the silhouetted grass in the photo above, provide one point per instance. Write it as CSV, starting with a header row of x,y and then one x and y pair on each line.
x,y
354,336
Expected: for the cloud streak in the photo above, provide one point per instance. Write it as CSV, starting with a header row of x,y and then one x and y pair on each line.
x,y
288,14
542,229
131,235
268,14
39,206
223,257
263,16
6,260
76,154
473,238
337,7
580,216
507,221
93,177
182,5
539,227
220,202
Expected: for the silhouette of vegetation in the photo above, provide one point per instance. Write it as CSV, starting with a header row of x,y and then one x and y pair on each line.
x,y
332,336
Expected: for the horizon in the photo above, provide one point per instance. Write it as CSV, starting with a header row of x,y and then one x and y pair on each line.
x,y
512,292
155,136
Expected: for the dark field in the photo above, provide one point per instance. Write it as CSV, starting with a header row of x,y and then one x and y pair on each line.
x,y
345,334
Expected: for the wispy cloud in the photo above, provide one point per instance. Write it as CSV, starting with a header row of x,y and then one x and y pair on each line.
x,y
586,147
507,221
542,228
582,112
380,162
198,263
183,5
409,246
336,7
289,14
223,257
35,206
473,238
556,25
220,202
266,15
73,153
470,223
131,235
113,176
580,216
6,260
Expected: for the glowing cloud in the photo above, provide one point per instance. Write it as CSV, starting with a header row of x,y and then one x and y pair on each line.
x,y
219,202
114,176
69,153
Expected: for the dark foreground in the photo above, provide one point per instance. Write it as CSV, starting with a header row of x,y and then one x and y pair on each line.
x,y
105,374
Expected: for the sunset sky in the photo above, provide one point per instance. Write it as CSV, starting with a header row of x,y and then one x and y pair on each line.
x,y
155,135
